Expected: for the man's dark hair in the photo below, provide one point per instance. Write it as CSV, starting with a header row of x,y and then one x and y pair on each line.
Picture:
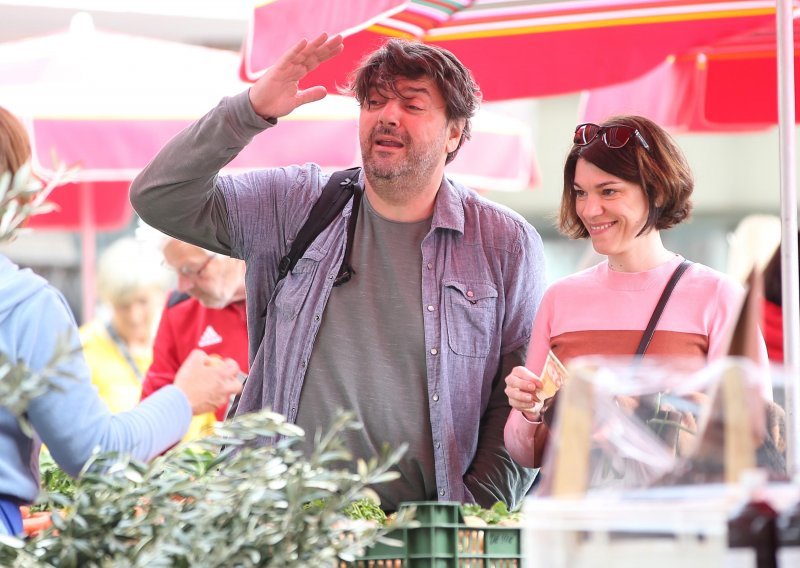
x,y
415,60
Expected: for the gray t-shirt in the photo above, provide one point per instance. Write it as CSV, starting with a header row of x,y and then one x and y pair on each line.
x,y
369,356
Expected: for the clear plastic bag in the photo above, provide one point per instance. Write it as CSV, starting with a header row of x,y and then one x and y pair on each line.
x,y
621,424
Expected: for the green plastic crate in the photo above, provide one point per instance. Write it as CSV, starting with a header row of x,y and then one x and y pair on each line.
x,y
442,540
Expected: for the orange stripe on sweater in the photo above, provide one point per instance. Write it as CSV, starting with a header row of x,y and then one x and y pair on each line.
x,y
624,342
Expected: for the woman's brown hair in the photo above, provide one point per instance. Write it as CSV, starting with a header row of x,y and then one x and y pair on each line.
x,y
662,172
773,283
15,148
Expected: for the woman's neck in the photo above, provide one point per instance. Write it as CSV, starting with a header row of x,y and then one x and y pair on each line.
x,y
649,253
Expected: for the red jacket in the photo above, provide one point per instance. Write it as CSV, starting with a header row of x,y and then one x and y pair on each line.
x,y
773,330
185,325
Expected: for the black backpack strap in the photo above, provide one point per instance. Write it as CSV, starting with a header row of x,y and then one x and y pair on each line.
x,y
662,302
337,192
335,195
346,271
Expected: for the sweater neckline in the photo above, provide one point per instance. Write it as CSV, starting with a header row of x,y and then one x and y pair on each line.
x,y
638,280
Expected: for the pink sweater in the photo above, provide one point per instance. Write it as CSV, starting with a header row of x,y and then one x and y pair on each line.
x,y
602,312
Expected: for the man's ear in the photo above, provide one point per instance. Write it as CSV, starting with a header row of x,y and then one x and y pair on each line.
x,y
455,131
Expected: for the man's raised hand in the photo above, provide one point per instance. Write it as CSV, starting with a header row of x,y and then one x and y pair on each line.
x,y
277,91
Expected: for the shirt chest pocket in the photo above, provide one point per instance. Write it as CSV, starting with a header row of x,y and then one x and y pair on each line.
x,y
471,312
293,290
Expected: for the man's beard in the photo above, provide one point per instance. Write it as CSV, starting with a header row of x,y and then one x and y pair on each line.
x,y
399,182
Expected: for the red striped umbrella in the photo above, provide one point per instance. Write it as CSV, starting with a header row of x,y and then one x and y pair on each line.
x,y
727,86
515,48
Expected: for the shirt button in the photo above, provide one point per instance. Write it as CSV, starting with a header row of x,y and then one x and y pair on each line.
x,y
434,351
431,308
470,294
429,265
316,317
302,363
438,445
330,276
441,492
436,398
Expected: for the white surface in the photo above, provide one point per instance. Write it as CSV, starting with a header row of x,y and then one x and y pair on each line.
x,y
218,23
657,528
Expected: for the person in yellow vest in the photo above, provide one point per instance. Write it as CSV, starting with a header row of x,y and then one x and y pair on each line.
x,y
118,344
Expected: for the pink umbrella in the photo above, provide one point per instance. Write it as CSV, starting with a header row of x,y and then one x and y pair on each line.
x,y
108,102
731,85
515,48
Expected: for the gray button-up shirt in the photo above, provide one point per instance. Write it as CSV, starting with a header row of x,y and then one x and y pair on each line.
x,y
482,281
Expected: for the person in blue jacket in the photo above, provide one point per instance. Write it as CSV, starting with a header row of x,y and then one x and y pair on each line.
x,y
71,419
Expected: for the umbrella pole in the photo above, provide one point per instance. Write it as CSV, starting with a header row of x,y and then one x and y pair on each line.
x,y
790,273
88,252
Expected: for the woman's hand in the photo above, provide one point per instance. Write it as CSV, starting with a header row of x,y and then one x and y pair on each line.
x,y
522,386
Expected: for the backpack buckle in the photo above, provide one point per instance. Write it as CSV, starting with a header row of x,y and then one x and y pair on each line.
x,y
284,266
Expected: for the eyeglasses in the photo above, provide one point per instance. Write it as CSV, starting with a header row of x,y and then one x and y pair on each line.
x,y
192,272
614,135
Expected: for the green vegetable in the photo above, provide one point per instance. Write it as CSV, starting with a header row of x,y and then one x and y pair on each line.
x,y
54,481
499,512
364,509
367,510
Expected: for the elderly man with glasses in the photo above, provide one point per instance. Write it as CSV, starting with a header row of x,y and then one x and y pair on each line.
x,y
206,311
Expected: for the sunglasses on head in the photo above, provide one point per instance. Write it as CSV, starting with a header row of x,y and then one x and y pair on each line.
x,y
613,135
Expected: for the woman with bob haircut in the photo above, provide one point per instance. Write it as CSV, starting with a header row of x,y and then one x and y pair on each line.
x,y
624,182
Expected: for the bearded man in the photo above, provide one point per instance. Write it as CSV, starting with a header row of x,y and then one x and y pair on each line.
x,y
443,284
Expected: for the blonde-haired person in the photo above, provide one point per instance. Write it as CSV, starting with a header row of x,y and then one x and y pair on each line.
x,y
71,418
118,344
